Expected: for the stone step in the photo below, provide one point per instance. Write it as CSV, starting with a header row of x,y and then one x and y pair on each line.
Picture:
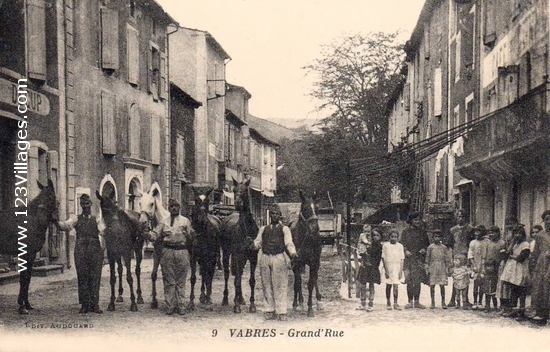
x,y
40,262
48,270
9,278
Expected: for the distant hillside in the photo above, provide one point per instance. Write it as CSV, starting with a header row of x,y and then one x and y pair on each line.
x,y
271,130
296,124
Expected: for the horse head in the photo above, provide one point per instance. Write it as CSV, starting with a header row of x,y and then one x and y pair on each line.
x,y
108,206
202,200
240,190
45,205
152,210
308,212
148,204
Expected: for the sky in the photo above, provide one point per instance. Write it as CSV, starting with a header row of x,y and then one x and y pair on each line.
x,y
270,41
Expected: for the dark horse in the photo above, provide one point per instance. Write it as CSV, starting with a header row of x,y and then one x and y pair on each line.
x,y
306,238
238,233
123,236
152,212
30,231
206,246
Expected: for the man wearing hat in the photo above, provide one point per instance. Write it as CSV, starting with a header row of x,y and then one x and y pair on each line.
x,y
177,237
88,255
275,240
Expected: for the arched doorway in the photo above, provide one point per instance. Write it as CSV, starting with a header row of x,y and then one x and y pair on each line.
x,y
108,190
134,192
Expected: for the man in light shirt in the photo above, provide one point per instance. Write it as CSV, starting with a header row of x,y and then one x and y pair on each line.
x,y
275,240
177,237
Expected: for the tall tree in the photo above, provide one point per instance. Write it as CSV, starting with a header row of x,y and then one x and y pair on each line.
x,y
353,81
354,78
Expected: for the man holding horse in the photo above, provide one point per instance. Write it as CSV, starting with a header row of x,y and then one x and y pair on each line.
x,y
88,255
275,240
177,237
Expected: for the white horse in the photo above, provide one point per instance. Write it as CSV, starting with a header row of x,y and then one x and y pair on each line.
x,y
152,212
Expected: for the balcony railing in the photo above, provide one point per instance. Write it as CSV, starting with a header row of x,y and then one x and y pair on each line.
x,y
514,126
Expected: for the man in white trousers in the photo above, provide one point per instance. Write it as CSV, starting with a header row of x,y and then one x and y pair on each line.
x,y
274,242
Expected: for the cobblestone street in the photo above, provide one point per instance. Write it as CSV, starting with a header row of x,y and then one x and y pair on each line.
x,y
55,325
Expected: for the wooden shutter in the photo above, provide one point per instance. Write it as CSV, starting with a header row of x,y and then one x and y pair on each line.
x,y
407,97
489,33
133,55
155,139
109,39
108,123
468,41
438,92
458,56
36,39
163,89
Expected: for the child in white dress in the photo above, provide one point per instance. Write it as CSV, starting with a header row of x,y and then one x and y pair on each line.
x,y
393,256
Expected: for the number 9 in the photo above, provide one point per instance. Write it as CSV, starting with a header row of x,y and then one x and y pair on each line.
x,y
214,333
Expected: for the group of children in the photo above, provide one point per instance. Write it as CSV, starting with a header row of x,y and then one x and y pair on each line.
x,y
503,268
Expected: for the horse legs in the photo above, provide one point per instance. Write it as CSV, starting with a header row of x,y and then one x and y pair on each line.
x,y
298,298
225,262
120,289
24,283
239,268
112,281
139,257
154,274
318,296
130,280
252,282
209,279
312,282
193,281
238,293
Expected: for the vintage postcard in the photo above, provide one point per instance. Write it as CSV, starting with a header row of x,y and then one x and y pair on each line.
x,y
274,175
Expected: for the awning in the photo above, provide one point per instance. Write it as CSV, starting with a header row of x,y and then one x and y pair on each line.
x,y
256,189
268,193
463,182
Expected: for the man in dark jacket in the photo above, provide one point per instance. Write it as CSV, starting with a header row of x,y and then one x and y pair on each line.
x,y
88,255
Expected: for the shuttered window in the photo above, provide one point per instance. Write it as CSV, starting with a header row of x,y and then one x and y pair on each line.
x,y
108,123
438,92
133,55
155,139
36,39
180,155
109,39
153,71
407,97
134,131
489,33
163,86
458,56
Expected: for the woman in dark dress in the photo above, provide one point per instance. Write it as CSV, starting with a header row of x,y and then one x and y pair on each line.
x,y
415,242
369,271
